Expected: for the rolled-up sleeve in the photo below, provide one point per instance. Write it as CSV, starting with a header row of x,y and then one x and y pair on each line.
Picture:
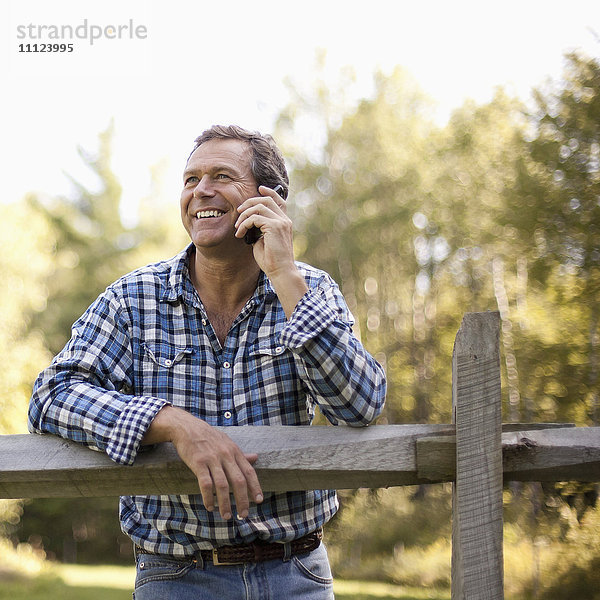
x,y
83,395
343,378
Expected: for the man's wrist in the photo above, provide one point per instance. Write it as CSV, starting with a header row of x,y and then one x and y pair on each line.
x,y
162,427
290,286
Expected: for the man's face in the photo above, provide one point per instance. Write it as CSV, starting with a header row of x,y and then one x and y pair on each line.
x,y
216,180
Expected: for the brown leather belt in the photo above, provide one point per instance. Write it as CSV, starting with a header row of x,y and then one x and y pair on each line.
x,y
254,552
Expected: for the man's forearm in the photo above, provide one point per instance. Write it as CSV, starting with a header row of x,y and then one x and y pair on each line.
x,y
72,408
290,286
344,379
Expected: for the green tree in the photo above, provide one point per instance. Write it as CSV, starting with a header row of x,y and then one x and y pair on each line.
x,y
359,215
555,212
23,263
484,269
420,224
91,247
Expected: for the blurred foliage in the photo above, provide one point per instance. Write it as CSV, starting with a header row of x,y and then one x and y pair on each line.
x,y
497,210
75,530
24,262
559,232
399,534
87,248
92,247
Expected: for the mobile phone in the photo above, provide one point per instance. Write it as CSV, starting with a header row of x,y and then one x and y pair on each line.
x,y
254,233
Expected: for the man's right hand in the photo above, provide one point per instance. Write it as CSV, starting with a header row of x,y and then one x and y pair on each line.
x,y
218,463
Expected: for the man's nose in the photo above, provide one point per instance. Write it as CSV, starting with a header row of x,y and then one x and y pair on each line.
x,y
204,187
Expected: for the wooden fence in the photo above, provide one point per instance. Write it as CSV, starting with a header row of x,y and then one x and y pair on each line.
x,y
476,452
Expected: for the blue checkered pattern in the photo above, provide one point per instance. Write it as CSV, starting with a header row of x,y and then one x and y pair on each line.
x,y
147,342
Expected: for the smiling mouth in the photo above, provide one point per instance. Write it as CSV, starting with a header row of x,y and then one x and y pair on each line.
x,y
209,214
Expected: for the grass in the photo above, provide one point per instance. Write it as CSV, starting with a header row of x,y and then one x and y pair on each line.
x,y
71,582
371,590
45,587
78,582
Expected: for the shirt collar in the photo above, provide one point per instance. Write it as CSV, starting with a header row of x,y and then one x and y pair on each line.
x,y
179,284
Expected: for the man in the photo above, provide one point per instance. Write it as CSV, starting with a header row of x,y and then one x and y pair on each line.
x,y
225,333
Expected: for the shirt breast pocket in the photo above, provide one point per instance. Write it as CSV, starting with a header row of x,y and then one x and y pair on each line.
x,y
271,361
167,371
274,385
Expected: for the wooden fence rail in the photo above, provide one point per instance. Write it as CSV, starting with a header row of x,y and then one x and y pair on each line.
x,y
476,452
296,459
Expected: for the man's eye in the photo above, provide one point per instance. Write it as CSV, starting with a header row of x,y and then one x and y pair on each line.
x,y
221,176
192,179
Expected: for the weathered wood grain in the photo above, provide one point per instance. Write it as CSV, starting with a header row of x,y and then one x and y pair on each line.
x,y
544,452
290,458
477,554
47,466
552,455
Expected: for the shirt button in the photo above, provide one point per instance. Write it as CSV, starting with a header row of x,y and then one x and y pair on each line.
x,y
168,362
226,365
203,321
279,349
227,414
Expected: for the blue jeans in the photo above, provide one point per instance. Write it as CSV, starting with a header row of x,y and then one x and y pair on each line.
x,y
306,577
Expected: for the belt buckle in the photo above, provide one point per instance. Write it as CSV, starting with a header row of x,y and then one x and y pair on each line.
x,y
217,562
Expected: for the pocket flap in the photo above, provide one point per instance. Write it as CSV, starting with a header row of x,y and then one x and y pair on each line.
x,y
165,355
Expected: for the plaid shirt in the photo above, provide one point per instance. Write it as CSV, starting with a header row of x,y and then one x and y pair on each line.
x,y
147,342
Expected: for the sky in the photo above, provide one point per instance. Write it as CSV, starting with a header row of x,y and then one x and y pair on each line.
x,y
164,71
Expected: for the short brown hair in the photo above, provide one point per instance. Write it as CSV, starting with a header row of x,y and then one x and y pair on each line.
x,y
267,163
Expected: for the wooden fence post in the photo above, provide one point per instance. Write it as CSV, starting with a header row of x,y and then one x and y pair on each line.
x,y
477,558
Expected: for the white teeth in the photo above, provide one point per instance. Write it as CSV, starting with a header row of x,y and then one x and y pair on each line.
x,y
203,214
